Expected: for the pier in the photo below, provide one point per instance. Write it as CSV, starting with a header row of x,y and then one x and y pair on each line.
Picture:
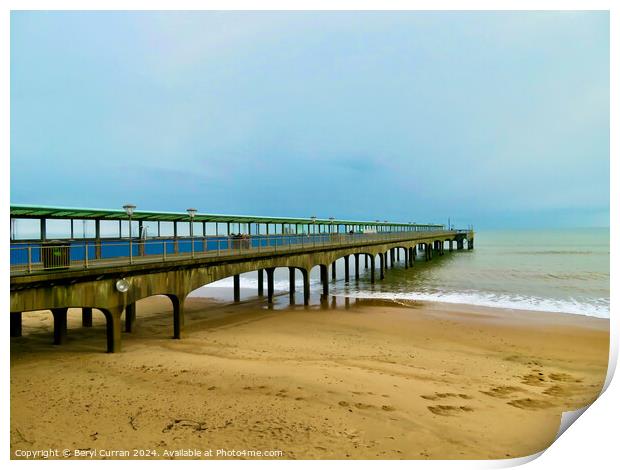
x,y
107,260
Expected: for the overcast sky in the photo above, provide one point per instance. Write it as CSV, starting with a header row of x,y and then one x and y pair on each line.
x,y
494,119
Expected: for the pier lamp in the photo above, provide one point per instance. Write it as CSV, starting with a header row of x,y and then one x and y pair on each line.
x,y
313,217
129,208
192,214
122,285
331,224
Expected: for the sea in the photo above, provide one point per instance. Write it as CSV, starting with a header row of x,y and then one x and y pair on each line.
x,y
561,270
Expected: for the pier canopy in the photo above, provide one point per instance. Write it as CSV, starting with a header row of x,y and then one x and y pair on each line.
x,y
183,223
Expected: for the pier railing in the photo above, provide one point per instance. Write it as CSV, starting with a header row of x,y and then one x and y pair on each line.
x,y
32,257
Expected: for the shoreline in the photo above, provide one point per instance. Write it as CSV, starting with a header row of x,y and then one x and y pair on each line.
x,y
357,379
224,293
247,295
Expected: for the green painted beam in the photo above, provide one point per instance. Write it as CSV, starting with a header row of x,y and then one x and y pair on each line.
x,y
52,212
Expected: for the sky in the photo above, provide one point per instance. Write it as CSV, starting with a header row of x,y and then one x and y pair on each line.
x,y
496,119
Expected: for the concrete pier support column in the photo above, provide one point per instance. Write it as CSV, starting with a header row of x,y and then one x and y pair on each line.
x,y
260,282
306,277
324,280
382,258
357,266
406,255
178,316
392,257
270,272
334,271
397,254
236,288
450,248
16,324
87,317
113,329
372,268
291,284
130,317
366,261
346,268
60,325
470,243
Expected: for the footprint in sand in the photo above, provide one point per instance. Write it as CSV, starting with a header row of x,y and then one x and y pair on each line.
x,y
501,391
560,377
449,410
530,404
536,379
438,396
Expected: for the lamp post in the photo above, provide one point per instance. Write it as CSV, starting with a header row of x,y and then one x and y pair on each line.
x,y
331,225
313,224
129,208
192,214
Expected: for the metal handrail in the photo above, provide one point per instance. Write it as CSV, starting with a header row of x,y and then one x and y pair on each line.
x,y
38,257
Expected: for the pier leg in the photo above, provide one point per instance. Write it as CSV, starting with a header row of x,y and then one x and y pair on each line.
x,y
382,265
397,254
236,289
470,243
306,278
16,324
357,266
60,325
334,271
291,283
372,269
260,282
130,317
324,280
113,329
392,257
366,261
178,316
87,317
270,284
406,254
346,268
450,248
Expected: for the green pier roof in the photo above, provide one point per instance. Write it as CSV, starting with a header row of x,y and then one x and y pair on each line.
x,y
52,212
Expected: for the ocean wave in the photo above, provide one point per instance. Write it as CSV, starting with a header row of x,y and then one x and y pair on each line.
x,y
556,252
595,308
252,283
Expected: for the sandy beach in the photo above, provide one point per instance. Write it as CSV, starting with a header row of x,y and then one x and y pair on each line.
x,y
367,380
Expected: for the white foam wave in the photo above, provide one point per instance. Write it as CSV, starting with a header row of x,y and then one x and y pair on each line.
x,y
251,283
596,308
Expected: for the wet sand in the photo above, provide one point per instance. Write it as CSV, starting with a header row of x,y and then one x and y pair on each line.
x,y
366,380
